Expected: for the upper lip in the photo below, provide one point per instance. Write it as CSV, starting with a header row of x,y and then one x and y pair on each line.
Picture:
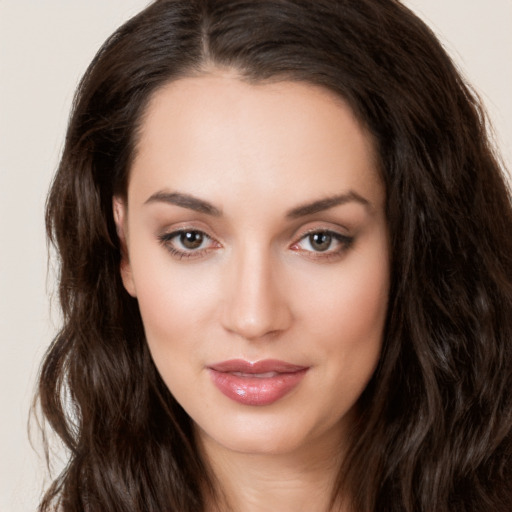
x,y
263,366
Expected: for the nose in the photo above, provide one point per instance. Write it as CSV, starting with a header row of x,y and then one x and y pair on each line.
x,y
257,307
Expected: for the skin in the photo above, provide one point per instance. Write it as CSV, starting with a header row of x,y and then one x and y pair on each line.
x,y
257,287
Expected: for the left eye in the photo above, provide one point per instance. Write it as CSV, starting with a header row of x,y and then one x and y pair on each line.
x,y
186,242
324,242
191,240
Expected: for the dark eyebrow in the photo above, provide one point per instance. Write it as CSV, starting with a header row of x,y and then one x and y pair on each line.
x,y
185,201
326,203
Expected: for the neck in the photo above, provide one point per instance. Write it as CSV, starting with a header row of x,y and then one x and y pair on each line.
x,y
292,482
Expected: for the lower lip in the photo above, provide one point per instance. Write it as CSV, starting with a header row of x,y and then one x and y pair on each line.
x,y
256,390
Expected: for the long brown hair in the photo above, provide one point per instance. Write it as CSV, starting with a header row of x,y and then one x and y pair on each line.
x,y
435,430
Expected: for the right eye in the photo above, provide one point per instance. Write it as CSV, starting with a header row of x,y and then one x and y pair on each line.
x,y
188,243
323,244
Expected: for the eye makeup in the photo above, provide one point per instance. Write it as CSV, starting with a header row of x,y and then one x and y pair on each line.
x,y
316,244
323,244
188,243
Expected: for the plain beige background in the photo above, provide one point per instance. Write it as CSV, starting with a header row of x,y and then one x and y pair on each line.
x,y
45,45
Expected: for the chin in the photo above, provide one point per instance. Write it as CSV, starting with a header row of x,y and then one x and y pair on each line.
x,y
266,436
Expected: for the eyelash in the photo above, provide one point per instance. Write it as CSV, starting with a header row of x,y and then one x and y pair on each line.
x,y
166,239
344,241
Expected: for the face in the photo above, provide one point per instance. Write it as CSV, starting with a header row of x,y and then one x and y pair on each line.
x,y
256,246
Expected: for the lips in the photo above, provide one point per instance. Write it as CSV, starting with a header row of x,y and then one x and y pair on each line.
x,y
260,383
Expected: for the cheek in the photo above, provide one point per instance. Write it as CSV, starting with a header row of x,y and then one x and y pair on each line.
x,y
352,299
176,302
346,319
358,308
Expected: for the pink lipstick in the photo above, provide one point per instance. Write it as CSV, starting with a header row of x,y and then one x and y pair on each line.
x,y
260,383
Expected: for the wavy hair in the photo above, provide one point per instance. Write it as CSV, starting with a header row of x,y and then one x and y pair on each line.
x,y
435,429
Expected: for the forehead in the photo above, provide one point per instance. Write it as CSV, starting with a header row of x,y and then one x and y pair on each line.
x,y
215,133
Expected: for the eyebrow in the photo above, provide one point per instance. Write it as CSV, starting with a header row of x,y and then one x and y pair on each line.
x,y
326,203
202,206
185,201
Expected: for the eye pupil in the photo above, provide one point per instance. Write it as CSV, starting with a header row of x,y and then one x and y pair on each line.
x,y
191,239
320,241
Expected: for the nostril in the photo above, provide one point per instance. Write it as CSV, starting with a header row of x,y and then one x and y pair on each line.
x,y
265,324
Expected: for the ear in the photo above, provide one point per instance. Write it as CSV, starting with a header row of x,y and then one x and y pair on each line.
x,y
119,209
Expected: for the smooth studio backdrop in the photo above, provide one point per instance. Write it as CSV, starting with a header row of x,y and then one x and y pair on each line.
x,y
45,46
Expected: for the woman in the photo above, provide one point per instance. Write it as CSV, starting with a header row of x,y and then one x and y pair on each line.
x,y
285,269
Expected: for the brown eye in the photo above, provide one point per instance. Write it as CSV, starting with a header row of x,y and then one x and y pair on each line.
x,y
320,241
191,239
324,245
188,244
